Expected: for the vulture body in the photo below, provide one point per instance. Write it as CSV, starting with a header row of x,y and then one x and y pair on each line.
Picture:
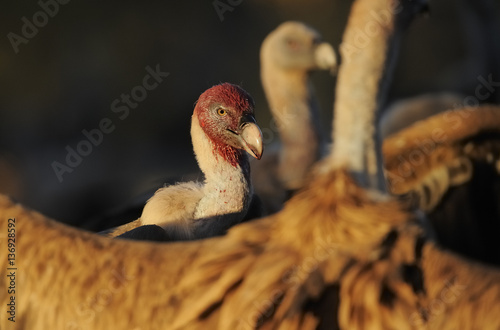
x,y
346,261
341,254
403,113
222,129
449,167
442,154
146,233
288,56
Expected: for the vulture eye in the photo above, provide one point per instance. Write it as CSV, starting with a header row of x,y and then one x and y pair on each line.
x,y
293,44
221,112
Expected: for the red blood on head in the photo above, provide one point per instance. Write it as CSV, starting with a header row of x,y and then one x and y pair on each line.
x,y
231,97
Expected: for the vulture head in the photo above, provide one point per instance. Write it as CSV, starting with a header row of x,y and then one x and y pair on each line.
x,y
225,113
296,46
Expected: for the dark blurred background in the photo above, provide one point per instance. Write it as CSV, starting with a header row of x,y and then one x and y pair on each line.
x,y
65,78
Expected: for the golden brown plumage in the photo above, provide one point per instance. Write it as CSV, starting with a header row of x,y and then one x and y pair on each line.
x,y
437,141
449,166
403,113
271,273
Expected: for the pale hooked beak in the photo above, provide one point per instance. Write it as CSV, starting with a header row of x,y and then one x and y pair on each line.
x,y
250,136
325,57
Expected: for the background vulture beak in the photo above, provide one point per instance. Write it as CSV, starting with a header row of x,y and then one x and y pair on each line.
x,y
325,57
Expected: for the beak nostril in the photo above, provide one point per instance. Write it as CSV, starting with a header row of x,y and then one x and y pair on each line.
x,y
247,119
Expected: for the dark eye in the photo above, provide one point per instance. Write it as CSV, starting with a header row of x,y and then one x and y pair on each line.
x,y
293,44
221,112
